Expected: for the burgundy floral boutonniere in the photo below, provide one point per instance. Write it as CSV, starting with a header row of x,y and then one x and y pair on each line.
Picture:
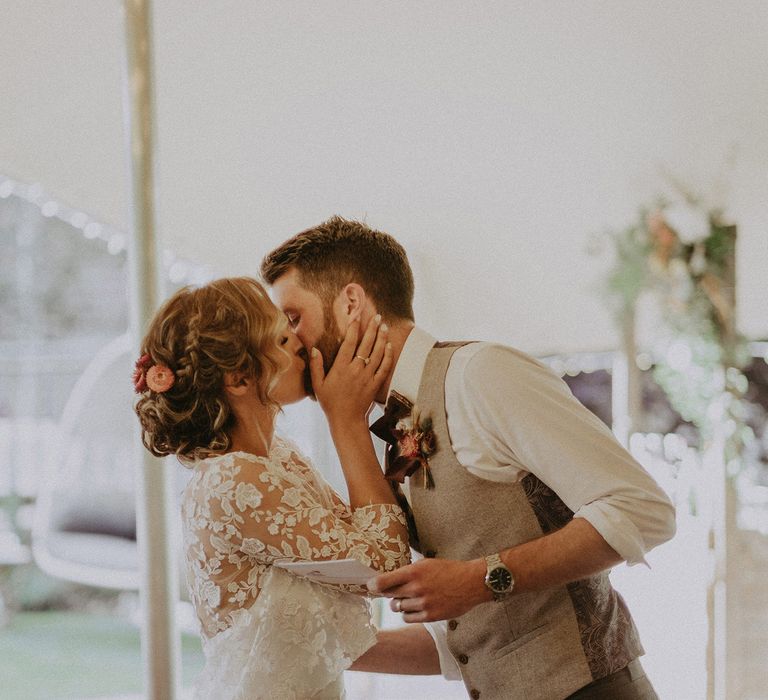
x,y
415,442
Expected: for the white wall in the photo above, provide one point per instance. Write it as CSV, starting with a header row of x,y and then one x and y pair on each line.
x,y
492,138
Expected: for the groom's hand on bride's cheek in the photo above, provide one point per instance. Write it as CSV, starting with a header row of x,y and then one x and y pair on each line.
x,y
433,589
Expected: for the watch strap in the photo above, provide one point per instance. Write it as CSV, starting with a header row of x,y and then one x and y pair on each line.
x,y
493,561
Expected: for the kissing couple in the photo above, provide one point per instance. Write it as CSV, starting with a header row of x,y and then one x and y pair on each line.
x,y
514,499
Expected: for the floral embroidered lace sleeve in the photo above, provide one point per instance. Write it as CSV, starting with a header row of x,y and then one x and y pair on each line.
x,y
242,512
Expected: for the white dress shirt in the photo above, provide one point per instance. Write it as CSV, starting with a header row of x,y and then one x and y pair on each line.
x,y
509,415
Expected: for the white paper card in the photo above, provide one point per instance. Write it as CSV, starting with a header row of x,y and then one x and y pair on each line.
x,y
336,571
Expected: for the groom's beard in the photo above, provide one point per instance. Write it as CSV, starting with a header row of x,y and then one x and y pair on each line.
x,y
328,344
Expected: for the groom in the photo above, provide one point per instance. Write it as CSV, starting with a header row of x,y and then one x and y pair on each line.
x,y
521,497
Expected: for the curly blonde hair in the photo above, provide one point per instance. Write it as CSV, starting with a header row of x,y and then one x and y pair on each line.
x,y
229,325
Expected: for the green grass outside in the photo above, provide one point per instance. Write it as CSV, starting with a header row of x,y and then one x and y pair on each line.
x,y
50,655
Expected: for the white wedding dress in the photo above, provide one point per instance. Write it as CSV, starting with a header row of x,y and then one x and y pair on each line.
x,y
266,632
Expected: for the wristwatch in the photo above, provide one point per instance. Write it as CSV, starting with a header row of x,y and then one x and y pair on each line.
x,y
498,577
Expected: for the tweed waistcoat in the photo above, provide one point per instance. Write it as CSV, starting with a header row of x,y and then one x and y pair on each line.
x,y
541,645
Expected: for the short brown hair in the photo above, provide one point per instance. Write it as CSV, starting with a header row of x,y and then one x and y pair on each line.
x,y
340,251
229,325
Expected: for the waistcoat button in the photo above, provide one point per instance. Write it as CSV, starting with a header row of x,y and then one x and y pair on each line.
x,y
452,624
430,554
463,659
474,694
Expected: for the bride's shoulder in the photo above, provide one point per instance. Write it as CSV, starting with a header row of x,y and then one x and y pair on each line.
x,y
236,465
287,450
283,463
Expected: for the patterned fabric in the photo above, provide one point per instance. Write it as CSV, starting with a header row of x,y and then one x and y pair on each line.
x,y
293,643
240,513
548,507
396,408
608,636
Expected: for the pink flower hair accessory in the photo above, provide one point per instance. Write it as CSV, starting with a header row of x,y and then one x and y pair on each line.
x,y
140,373
160,378
155,377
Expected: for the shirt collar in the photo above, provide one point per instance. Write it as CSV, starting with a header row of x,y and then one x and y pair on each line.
x,y
406,378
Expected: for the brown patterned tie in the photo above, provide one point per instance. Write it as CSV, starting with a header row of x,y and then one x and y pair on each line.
x,y
397,407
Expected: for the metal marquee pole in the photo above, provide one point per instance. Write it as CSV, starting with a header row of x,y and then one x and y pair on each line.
x,y
159,584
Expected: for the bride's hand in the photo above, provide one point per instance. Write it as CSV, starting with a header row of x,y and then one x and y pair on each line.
x,y
358,372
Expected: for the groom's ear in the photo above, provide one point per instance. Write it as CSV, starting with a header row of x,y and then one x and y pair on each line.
x,y
353,300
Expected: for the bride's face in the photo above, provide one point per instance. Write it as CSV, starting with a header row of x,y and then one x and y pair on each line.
x,y
293,383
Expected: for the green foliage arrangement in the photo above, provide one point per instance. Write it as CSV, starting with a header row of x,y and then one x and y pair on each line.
x,y
681,256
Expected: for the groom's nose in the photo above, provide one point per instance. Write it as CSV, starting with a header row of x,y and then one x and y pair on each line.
x,y
301,338
294,342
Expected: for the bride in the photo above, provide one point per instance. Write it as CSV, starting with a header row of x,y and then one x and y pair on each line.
x,y
216,365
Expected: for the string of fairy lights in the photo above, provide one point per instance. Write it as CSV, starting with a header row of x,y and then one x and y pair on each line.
x,y
178,270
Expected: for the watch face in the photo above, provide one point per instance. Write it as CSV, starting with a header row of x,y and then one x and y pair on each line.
x,y
499,579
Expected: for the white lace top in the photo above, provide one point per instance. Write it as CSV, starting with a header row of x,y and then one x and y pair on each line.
x,y
268,633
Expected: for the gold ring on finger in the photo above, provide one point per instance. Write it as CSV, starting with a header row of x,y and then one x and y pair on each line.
x,y
366,360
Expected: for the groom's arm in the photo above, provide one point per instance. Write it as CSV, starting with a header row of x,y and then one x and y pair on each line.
x,y
527,419
406,651
441,589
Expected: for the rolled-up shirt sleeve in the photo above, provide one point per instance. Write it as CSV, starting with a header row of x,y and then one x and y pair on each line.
x,y
521,417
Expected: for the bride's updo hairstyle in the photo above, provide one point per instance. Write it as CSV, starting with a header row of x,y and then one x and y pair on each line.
x,y
229,325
